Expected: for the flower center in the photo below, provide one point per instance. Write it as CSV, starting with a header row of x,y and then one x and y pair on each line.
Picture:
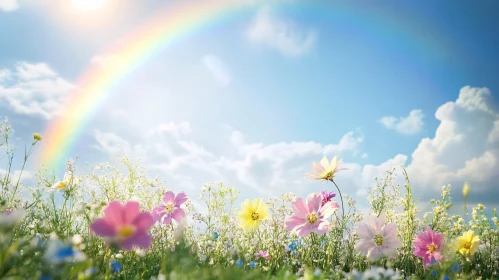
x,y
255,216
467,245
169,207
329,174
126,231
378,239
431,248
61,185
312,218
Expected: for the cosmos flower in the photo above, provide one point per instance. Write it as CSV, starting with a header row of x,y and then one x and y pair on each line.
x,y
428,245
377,238
310,216
327,196
170,208
324,170
124,225
263,254
252,213
467,244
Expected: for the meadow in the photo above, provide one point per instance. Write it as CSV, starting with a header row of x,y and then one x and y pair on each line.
x,y
114,222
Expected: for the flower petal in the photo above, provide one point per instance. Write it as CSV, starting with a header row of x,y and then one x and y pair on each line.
x,y
314,202
169,197
374,254
328,209
300,208
130,210
143,221
113,213
158,212
178,215
180,198
103,228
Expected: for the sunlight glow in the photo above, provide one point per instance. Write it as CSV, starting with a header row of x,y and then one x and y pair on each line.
x,y
89,5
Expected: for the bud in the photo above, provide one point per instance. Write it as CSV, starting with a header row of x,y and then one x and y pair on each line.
x,y
466,189
37,137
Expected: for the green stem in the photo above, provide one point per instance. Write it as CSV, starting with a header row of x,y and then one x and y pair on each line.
x,y
341,197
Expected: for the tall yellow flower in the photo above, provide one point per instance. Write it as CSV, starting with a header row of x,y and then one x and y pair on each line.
x,y
37,137
252,213
468,243
324,170
466,189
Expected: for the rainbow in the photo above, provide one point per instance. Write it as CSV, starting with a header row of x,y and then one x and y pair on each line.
x,y
177,22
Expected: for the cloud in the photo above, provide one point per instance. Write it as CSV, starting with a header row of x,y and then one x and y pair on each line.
x,y
409,125
33,89
217,69
280,34
9,5
173,128
465,147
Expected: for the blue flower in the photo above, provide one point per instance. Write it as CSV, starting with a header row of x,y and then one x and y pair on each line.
x,y
45,277
455,267
293,246
64,252
434,273
58,252
116,266
239,262
252,264
215,234
446,277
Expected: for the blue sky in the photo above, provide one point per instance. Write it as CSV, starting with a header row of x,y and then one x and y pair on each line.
x,y
254,99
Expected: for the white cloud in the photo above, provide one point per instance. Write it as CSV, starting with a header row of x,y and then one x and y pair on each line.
x,y
34,89
411,124
462,149
217,69
9,5
173,128
281,34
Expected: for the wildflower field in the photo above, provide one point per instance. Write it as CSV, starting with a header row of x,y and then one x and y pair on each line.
x,y
113,222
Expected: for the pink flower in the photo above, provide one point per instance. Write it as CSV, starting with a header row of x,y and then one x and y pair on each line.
x,y
263,254
310,217
124,225
171,208
326,197
377,238
428,245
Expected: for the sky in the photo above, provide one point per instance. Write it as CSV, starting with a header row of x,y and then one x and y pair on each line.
x,y
253,97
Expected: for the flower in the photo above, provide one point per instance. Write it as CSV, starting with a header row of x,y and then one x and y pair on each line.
x,y
428,245
311,216
170,208
324,170
466,189
37,137
377,238
215,235
239,262
293,246
263,254
326,197
116,266
124,225
467,244
58,252
252,264
252,213
66,182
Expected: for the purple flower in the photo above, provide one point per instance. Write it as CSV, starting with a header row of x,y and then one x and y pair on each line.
x,y
171,208
326,197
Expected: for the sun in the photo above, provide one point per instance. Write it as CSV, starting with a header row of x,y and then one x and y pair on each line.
x,y
89,5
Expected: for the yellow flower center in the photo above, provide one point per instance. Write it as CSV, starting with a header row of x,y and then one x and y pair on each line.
x,y
255,216
431,248
126,231
61,185
312,218
169,207
328,174
467,245
378,239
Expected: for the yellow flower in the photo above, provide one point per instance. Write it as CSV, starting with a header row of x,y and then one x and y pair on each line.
x,y
252,213
324,170
466,189
468,243
67,181
37,137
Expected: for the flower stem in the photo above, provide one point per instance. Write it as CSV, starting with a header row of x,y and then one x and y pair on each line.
x,y
341,197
